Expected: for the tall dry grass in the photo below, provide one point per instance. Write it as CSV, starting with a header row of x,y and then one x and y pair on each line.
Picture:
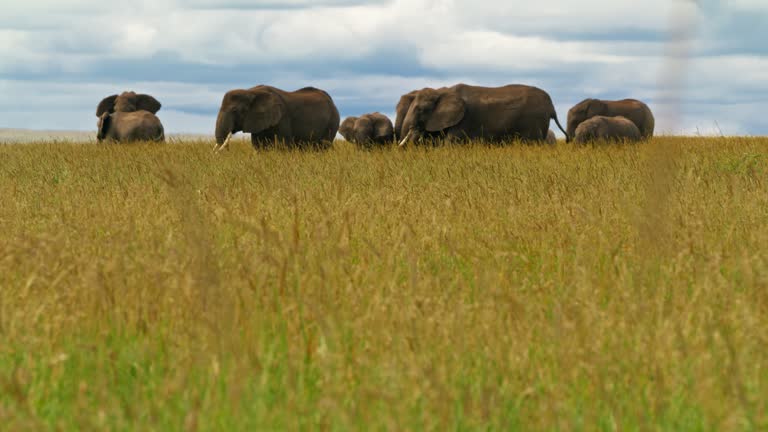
x,y
160,287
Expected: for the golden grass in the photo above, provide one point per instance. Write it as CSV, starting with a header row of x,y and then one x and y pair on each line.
x,y
160,287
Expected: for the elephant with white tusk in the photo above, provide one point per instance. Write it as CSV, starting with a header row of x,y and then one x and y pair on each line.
x,y
602,128
634,110
465,112
368,129
306,116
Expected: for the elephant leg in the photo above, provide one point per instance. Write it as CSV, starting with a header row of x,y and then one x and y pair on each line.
x,y
270,138
534,130
262,142
450,137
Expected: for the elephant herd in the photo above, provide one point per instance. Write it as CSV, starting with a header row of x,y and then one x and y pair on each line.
x,y
457,113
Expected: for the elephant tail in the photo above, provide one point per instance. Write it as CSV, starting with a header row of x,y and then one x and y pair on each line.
x,y
554,117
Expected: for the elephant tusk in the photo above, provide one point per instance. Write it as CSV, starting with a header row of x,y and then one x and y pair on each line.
x,y
226,141
224,144
405,140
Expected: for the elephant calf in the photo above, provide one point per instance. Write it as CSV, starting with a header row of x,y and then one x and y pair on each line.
x,y
368,129
632,109
608,129
130,126
551,138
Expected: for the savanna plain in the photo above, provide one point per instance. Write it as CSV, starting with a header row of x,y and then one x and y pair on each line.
x,y
574,288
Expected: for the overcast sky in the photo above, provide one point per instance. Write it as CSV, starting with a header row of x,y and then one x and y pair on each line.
x,y
59,58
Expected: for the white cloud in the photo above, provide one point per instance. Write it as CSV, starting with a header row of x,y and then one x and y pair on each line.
x,y
58,55
544,16
275,4
136,40
490,50
754,5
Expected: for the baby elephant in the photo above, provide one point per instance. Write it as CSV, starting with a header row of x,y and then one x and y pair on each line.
x,y
130,126
607,128
551,138
368,129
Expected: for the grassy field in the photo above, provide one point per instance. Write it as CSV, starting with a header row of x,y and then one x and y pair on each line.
x,y
27,136
160,287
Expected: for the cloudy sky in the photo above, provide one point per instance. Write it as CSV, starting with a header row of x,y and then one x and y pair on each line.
x,y
702,67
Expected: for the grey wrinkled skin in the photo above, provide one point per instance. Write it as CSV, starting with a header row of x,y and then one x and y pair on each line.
x,y
129,126
551,138
632,109
128,101
465,112
401,110
602,128
305,116
368,129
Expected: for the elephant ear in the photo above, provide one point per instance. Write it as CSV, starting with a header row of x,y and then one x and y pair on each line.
x,y
147,103
383,127
264,111
448,112
107,105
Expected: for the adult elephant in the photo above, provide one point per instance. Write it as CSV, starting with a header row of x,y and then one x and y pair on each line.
x,y
305,116
472,112
632,109
368,129
128,101
129,126
607,129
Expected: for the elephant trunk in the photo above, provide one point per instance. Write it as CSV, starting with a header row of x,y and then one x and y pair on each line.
x,y
414,135
409,131
571,130
225,123
399,131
